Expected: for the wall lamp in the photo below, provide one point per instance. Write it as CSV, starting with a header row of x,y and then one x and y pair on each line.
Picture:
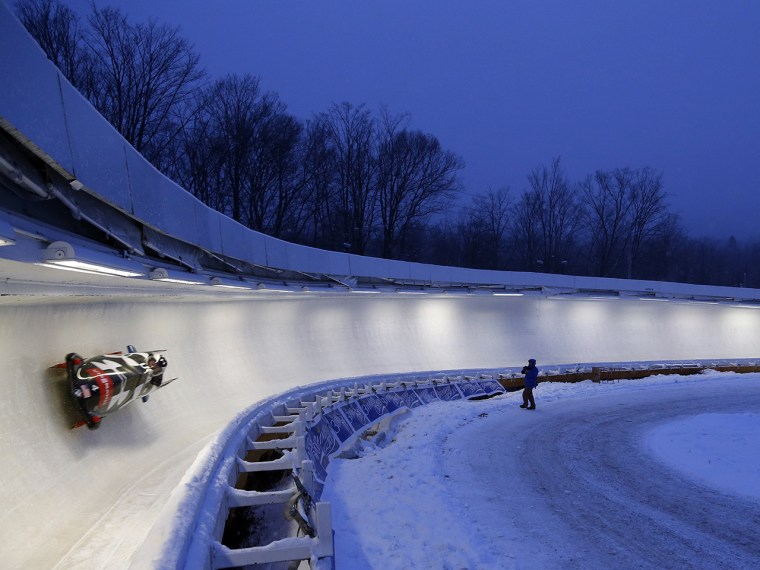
x,y
61,255
412,291
217,282
747,305
161,274
274,288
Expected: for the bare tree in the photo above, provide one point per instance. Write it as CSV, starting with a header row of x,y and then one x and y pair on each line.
x,y
319,180
448,243
241,155
415,179
146,74
662,259
275,183
626,209
234,112
349,134
649,214
525,233
489,217
198,161
608,208
548,220
59,32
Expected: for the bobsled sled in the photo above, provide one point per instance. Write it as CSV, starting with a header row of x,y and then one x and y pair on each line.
x,y
103,384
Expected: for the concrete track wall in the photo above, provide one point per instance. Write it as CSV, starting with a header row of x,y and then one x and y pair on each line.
x,y
66,497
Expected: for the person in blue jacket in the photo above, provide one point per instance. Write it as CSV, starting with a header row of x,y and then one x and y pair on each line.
x,y
531,380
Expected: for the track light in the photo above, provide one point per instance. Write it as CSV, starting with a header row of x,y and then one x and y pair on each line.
x,y
61,255
217,282
161,274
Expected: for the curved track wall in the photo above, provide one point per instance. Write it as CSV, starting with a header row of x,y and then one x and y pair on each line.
x,y
67,496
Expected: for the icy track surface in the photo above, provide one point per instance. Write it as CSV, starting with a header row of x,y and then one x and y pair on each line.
x,y
655,473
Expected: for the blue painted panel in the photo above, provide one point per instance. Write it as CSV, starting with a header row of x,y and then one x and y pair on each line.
x,y
491,387
339,425
411,400
311,260
392,400
373,407
374,267
240,242
355,416
427,395
311,442
320,443
447,392
471,389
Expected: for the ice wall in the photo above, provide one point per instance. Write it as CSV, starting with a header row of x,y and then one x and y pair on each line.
x,y
88,499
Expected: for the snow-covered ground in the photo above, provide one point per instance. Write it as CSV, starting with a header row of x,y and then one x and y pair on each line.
x,y
653,473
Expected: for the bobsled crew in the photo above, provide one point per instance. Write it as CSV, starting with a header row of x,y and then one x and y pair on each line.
x,y
105,383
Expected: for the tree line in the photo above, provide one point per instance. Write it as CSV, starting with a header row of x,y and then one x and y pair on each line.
x,y
364,181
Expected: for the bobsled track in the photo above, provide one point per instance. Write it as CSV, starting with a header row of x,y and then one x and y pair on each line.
x,y
66,492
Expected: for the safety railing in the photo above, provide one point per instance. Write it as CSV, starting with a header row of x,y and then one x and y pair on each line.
x,y
273,459
275,456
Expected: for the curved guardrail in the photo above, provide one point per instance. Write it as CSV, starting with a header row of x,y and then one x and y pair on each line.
x,y
297,434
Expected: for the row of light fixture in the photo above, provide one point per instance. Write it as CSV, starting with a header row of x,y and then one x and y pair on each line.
x,y
62,255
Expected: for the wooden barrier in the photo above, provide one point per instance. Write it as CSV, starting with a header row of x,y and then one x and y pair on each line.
x,y
512,382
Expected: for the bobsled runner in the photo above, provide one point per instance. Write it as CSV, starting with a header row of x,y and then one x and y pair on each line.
x,y
103,384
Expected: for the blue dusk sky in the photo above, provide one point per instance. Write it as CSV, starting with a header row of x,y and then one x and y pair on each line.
x,y
509,85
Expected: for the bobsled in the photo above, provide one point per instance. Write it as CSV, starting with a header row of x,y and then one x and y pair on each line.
x,y
102,384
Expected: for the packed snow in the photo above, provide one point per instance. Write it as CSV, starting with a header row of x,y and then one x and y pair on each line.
x,y
653,473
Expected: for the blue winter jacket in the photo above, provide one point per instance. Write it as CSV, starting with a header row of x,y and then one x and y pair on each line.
x,y
531,376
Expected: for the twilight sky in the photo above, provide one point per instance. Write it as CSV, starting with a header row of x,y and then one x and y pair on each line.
x,y
510,84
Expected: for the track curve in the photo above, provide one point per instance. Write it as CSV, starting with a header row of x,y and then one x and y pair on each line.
x,y
78,499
